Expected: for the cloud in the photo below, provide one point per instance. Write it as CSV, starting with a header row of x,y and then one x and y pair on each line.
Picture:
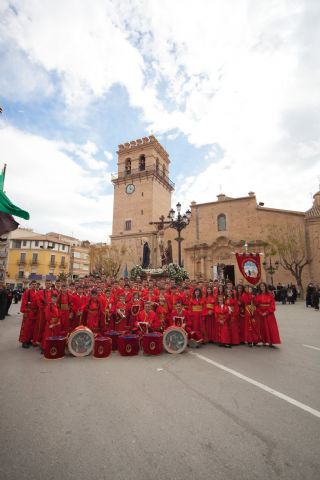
x,y
59,194
240,76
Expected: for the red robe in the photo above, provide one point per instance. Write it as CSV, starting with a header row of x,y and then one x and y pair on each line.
x,y
65,308
150,318
265,314
251,324
77,305
222,331
53,326
232,304
93,316
29,308
43,298
164,316
208,318
196,316
120,317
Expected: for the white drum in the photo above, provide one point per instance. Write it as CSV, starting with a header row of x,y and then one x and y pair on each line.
x,y
175,340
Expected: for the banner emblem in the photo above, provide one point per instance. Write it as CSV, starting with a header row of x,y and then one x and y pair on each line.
x,y
250,266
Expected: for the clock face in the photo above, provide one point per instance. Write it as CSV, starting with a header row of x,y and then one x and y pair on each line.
x,y
130,188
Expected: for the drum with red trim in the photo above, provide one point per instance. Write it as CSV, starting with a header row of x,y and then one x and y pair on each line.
x,y
152,343
81,341
175,340
128,345
55,347
114,338
102,347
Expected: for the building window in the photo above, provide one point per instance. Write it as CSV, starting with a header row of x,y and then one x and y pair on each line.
x,y
36,243
21,274
52,260
222,222
24,243
142,163
22,258
127,225
62,247
128,166
76,254
157,164
63,260
163,170
34,258
16,243
141,194
141,212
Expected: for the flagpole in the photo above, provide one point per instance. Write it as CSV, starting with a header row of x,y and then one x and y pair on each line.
x,y
4,175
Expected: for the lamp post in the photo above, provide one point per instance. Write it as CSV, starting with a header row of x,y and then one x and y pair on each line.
x,y
178,222
271,269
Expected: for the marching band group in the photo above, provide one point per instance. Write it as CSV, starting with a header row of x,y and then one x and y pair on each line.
x,y
208,312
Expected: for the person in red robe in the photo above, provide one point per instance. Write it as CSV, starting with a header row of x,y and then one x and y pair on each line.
x,y
135,308
163,313
78,302
196,311
208,315
53,326
147,320
265,314
64,304
179,317
29,308
120,315
93,317
222,331
43,298
241,309
232,304
251,325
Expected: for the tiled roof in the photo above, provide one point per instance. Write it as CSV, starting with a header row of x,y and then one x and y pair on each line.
x,y
313,212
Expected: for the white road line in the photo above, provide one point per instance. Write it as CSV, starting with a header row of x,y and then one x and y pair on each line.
x,y
294,402
311,346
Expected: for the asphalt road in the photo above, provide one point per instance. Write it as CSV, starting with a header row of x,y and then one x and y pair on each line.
x,y
166,417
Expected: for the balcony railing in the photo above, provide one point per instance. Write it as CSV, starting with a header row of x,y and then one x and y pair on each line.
x,y
34,263
63,265
136,172
52,264
21,262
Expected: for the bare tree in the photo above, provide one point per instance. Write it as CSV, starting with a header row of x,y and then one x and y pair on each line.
x,y
105,259
290,243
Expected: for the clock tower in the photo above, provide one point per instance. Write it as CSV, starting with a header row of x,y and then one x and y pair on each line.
x,y
142,194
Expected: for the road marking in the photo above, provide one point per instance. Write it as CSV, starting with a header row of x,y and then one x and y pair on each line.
x,y
311,346
288,399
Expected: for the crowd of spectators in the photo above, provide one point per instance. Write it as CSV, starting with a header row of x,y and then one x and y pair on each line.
x,y
313,296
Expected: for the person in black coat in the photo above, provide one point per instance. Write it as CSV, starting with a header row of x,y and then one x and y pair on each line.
x,y
3,301
309,295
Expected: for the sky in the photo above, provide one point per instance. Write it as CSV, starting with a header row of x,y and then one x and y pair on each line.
x,y
231,89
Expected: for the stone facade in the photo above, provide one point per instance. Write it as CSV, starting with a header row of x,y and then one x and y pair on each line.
x,y
217,229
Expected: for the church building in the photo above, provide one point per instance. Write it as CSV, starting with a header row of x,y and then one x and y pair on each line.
x,y
217,229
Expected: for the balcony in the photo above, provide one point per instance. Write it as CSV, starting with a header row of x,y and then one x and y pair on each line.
x,y
34,263
137,173
63,265
21,262
21,279
52,264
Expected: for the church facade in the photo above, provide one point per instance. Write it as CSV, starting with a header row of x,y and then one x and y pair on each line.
x,y
217,229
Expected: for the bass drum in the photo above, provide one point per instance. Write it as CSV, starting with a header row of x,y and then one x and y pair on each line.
x,y
81,341
175,340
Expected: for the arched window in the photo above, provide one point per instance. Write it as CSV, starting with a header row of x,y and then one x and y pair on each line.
x,y
157,164
222,222
142,163
128,166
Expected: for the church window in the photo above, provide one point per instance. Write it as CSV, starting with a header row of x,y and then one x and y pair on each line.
x,y
127,225
128,166
157,164
222,222
142,163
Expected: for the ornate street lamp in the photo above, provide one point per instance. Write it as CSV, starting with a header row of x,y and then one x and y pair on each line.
x,y
178,222
270,269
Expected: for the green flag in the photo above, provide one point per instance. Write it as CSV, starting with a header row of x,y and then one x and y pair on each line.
x,y
8,207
